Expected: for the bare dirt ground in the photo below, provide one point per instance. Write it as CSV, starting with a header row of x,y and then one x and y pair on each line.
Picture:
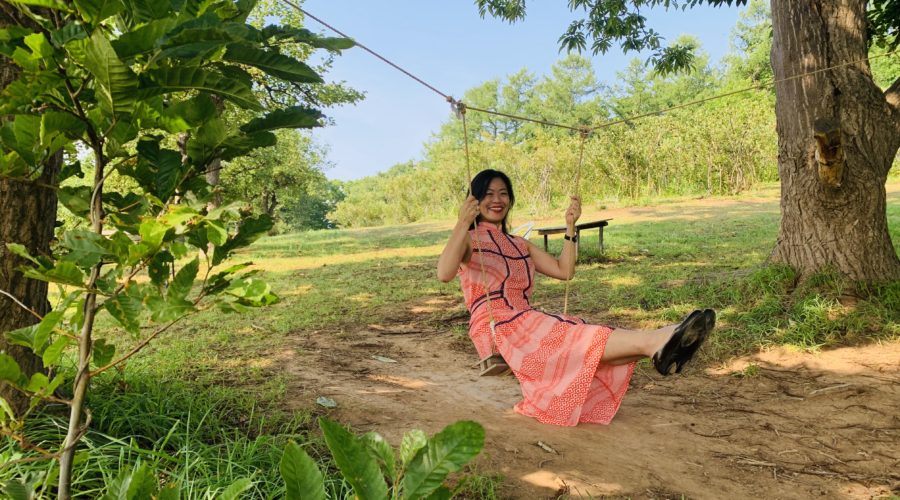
x,y
776,425
792,425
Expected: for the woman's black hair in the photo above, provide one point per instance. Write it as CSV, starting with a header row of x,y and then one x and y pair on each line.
x,y
479,189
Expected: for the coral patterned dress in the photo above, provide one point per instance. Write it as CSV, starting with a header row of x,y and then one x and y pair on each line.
x,y
555,358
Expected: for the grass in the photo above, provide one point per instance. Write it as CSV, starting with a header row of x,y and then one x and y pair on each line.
x,y
203,402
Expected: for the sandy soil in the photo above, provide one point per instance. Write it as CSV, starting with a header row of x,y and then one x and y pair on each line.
x,y
775,425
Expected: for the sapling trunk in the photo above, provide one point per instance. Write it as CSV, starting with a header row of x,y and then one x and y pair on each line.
x,y
83,377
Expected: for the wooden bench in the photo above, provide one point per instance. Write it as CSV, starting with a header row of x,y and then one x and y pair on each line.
x,y
597,224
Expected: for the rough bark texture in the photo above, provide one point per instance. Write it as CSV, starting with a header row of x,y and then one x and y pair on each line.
x,y
27,216
822,226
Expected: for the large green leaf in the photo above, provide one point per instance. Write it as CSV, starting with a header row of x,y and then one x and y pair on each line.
x,y
64,273
54,351
103,352
86,248
301,475
355,463
233,491
142,11
133,484
163,311
273,63
126,309
446,452
187,79
76,198
305,36
381,451
251,229
144,39
22,135
9,369
43,329
412,442
180,287
54,123
239,145
117,84
49,4
94,11
293,117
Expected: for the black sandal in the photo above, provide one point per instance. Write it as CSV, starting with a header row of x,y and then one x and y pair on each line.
x,y
685,342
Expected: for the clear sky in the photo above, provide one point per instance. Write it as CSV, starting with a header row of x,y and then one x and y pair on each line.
x,y
449,46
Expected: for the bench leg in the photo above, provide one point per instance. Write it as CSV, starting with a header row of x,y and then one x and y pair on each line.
x,y
602,250
577,242
546,248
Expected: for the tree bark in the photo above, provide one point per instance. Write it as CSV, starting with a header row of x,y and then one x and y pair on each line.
x,y
27,216
832,217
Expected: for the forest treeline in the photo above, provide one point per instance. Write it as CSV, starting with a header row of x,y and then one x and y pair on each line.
x,y
722,147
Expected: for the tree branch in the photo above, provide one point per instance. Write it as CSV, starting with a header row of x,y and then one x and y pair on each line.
x,y
892,94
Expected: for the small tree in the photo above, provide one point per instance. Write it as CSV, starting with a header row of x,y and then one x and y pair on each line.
x,y
117,81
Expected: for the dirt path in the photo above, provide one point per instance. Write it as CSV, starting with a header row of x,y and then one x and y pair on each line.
x,y
789,426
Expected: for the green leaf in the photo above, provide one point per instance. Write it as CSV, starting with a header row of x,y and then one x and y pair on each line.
x,y
170,492
54,351
133,484
43,329
86,248
39,45
39,383
103,353
188,78
126,309
278,65
21,251
22,336
355,463
239,145
152,232
49,4
251,229
65,272
233,492
216,233
117,84
184,280
160,267
144,39
94,11
9,369
305,36
301,475
446,452
163,311
70,31
381,451
54,123
293,117
6,411
412,442
77,199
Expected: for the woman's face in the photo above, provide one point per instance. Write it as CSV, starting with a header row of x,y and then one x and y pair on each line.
x,y
495,204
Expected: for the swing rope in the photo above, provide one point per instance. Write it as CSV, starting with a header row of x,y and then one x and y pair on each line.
x,y
584,132
459,109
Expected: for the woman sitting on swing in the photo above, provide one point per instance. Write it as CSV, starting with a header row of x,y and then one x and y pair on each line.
x,y
569,371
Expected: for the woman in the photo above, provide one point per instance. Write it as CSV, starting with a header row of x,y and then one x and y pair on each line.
x,y
569,371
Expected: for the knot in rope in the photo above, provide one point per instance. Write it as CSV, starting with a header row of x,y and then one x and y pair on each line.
x,y
458,107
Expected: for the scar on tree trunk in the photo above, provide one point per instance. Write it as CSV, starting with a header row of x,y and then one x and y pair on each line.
x,y
829,151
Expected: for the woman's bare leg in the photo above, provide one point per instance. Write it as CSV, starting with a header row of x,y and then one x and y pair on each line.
x,y
626,346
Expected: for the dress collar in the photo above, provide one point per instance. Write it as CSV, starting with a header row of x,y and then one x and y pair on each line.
x,y
488,226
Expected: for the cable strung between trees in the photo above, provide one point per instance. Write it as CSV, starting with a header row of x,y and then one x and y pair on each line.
x,y
577,128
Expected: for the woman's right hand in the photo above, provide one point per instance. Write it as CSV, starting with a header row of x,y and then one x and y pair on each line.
x,y
468,211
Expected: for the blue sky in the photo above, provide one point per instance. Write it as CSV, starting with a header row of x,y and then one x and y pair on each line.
x,y
449,46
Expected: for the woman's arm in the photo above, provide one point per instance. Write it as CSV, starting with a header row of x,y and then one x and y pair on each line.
x,y
562,268
458,247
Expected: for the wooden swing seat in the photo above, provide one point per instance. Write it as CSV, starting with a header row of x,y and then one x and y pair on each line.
x,y
493,365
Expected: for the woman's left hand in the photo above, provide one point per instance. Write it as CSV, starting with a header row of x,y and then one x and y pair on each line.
x,y
574,211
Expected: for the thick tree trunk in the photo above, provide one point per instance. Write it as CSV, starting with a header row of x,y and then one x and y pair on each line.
x,y
27,216
832,191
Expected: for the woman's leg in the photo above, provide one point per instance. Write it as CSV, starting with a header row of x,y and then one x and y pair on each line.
x,y
626,346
